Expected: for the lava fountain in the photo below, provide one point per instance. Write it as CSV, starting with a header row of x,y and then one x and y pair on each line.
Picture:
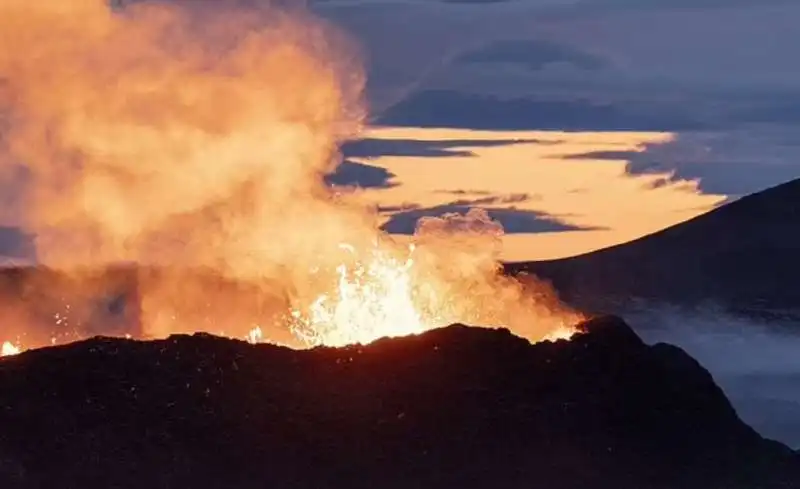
x,y
195,136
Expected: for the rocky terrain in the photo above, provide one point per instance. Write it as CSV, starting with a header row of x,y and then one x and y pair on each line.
x,y
455,407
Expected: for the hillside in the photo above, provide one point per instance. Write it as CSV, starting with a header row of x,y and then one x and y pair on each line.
x,y
456,407
744,256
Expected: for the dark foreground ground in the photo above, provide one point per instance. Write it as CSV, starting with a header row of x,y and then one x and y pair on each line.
x,y
454,408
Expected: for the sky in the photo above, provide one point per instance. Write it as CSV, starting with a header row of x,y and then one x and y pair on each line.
x,y
578,124
633,116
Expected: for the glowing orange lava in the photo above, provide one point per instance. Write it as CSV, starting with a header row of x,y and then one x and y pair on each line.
x,y
9,349
373,298
382,292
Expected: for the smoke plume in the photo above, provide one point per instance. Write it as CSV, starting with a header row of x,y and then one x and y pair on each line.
x,y
195,136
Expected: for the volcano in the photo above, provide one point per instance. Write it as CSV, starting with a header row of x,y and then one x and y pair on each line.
x,y
741,256
453,407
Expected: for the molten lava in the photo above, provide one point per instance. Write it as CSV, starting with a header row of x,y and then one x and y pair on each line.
x,y
9,349
378,294
196,136
369,301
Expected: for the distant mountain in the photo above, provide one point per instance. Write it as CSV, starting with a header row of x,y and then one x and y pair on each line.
x,y
743,256
452,408
454,109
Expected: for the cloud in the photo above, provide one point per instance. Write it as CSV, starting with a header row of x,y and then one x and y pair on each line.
x,y
514,221
724,164
667,4
355,174
418,148
493,200
534,54
786,111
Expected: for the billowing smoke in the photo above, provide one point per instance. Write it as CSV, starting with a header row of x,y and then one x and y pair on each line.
x,y
165,133
195,136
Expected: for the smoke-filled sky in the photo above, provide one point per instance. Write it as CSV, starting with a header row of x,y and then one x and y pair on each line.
x,y
198,135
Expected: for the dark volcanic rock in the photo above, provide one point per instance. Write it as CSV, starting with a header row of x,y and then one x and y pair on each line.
x,y
456,407
742,256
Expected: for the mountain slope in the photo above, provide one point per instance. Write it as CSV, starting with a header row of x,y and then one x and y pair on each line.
x,y
456,407
744,255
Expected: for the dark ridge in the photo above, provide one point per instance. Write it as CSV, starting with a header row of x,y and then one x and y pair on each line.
x,y
742,256
454,407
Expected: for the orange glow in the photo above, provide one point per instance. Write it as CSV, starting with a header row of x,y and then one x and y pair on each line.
x,y
8,349
368,300
192,140
554,173
388,291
